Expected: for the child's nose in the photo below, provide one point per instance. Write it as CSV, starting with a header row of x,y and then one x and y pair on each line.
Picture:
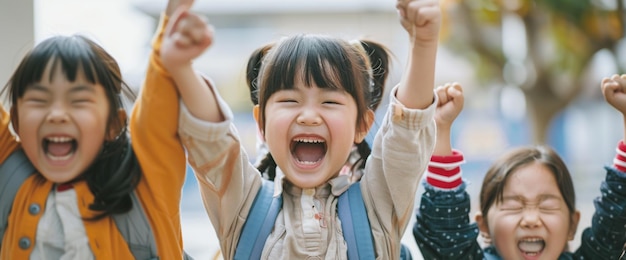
x,y
309,116
58,114
530,218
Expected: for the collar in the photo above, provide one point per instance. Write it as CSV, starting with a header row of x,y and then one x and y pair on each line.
x,y
338,184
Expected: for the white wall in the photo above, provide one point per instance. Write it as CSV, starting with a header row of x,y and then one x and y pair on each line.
x,y
16,34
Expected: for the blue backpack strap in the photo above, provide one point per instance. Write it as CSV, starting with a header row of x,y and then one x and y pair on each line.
x,y
355,223
405,253
259,223
134,227
13,172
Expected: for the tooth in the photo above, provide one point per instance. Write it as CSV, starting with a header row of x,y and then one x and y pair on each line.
x,y
60,158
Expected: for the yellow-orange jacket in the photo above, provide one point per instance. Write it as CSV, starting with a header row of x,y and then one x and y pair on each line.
x,y
153,128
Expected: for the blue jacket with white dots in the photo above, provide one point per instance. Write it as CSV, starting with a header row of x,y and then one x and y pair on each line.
x,y
443,229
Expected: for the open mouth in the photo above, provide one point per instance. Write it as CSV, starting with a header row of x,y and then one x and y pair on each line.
x,y
308,150
531,246
59,148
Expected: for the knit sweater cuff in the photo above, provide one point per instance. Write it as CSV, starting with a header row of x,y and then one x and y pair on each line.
x,y
620,158
444,172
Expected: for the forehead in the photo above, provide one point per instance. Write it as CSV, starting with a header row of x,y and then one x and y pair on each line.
x,y
531,180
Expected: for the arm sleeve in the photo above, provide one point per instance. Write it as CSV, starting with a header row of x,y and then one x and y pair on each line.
x,y
228,182
8,142
606,237
443,229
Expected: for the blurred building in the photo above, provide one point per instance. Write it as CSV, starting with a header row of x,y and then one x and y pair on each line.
x,y
241,26
17,29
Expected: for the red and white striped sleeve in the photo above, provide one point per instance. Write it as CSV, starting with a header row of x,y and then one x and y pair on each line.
x,y
444,172
620,158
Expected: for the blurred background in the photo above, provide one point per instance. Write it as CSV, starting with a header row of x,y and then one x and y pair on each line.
x,y
530,69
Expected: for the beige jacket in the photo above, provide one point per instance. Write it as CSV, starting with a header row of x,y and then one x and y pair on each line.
x,y
229,183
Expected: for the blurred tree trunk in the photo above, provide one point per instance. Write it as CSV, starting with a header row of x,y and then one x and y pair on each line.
x,y
562,37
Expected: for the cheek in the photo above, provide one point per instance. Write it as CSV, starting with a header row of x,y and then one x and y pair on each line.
x,y
92,123
29,121
501,225
558,222
341,123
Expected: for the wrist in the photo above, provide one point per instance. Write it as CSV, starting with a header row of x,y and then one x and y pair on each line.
x,y
619,162
178,68
444,172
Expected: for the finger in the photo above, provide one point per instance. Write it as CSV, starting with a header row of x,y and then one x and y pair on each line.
x,y
196,28
441,94
416,9
198,31
456,95
457,86
427,15
172,5
182,41
615,77
178,16
612,87
621,80
455,90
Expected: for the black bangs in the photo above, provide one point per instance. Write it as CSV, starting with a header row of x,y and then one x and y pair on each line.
x,y
318,60
315,59
75,54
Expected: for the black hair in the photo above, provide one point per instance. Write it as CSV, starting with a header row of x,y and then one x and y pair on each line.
x,y
496,177
115,172
361,69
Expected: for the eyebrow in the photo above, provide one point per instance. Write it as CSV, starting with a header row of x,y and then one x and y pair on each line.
x,y
542,197
80,88
74,89
36,87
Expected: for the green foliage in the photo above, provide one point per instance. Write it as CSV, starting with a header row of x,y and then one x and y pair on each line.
x,y
573,10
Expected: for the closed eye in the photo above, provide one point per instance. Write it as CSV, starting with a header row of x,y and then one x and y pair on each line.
x,y
550,205
80,101
35,100
511,205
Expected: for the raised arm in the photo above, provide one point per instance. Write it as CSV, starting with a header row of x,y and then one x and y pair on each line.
x,y
8,143
443,229
421,19
449,107
186,37
614,91
606,237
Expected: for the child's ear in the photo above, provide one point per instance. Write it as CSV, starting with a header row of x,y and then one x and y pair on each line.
x,y
361,132
483,227
256,112
573,225
14,121
117,126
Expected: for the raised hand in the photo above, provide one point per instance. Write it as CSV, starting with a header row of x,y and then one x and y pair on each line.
x,y
449,107
421,19
186,37
614,91
450,104
172,5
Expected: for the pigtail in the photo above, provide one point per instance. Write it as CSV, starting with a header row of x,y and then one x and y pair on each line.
x,y
364,150
268,165
113,177
379,62
252,71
